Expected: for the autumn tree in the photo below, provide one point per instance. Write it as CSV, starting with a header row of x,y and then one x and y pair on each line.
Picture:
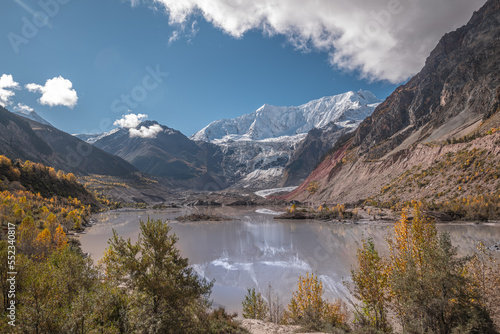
x,y
308,308
428,289
370,287
483,269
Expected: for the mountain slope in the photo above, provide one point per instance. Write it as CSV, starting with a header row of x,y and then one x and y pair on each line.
x,y
25,139
169,154
457,92
258,147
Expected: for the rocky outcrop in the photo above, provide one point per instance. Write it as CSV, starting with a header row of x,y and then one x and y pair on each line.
x,y
456,92
308,154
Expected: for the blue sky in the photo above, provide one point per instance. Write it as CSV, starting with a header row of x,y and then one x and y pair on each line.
x,y
223,64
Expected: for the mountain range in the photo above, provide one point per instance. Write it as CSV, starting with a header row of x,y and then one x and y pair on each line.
x,y
258,148
252,150
346,110
169,154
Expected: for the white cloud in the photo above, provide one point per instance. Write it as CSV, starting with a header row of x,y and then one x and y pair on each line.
x,y
7,83
22,108
181,32
130,121
56,92
174,37
383,39
145,132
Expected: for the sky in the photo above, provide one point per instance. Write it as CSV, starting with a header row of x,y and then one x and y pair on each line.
x,y
85,64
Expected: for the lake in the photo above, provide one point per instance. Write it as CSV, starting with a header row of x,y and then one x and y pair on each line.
x,y
254,250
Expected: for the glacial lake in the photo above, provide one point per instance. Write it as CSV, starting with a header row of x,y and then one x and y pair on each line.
x,y
255,250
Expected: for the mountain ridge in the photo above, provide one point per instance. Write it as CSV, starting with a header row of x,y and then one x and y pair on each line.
x,y
26,139
256,159
31,115
275,121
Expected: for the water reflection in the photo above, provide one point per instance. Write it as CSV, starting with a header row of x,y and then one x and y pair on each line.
x,y
255,250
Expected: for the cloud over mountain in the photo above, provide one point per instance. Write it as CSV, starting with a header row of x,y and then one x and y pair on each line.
x,y
382,39
22,108
146,132
132,122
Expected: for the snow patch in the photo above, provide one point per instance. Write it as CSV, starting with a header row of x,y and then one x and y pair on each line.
x,y
267,192
91,138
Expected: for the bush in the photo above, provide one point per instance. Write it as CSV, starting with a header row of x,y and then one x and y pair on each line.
x,y
370,287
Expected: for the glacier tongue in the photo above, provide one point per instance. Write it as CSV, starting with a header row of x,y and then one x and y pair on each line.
x,y
257,146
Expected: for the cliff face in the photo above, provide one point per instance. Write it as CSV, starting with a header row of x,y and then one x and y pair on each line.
x,y
307,155
457,92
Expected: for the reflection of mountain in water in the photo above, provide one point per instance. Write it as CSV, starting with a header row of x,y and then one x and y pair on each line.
x,y
257,250
266,251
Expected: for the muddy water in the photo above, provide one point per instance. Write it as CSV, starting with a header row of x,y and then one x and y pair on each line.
x,y
254,250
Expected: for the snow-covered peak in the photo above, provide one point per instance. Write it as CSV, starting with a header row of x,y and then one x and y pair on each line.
x,y
32,115
346,110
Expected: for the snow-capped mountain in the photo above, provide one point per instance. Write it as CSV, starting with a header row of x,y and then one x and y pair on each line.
x,y
258,146
91,138
346,110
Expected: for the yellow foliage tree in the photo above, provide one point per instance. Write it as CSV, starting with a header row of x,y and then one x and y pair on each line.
x,y
308,307
43,244
26,235
370,287
60,239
